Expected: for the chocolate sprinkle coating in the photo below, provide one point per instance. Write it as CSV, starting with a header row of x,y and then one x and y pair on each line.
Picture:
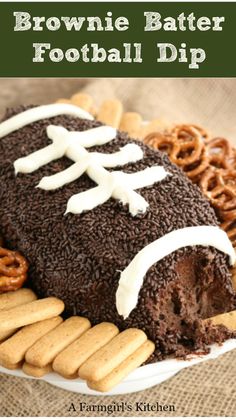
x,y
78,258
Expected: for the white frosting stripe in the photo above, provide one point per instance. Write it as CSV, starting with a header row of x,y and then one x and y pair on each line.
x,y
37,159
128,153
62,178
88,200
94,136
132,277
145,178
39,113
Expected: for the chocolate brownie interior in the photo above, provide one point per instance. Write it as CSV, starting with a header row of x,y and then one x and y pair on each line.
x,y
78,258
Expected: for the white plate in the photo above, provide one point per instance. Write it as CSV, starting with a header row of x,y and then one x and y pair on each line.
x,y
142,378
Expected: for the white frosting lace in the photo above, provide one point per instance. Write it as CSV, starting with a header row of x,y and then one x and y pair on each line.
x,y
118,185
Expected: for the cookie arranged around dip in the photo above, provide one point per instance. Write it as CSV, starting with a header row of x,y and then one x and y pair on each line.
x,y
113,228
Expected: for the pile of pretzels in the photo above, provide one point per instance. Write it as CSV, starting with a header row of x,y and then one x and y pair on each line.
x,y
208,162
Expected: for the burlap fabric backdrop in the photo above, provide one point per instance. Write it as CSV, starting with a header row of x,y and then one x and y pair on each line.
x,y
205,390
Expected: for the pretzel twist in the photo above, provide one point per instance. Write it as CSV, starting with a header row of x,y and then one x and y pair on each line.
x,y
183,144
13,270
160,141
219,186
194,170
204,133
219,153
188,145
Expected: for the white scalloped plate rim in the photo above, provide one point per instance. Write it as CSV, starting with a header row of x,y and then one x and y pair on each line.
x,y
141,379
